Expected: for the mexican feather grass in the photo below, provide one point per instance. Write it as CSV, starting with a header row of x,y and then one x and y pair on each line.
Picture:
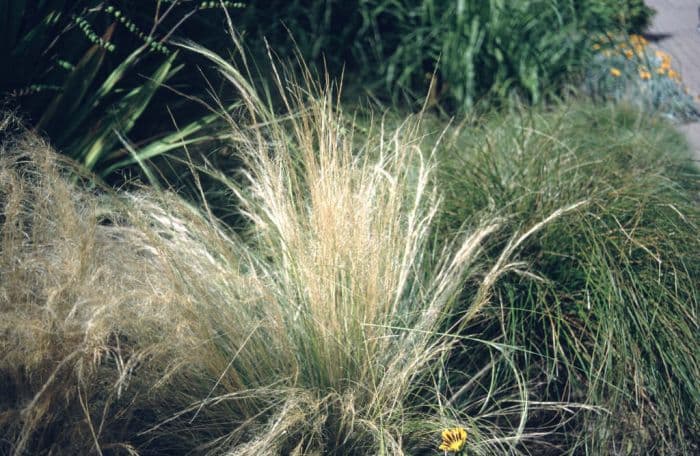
x,y
137,323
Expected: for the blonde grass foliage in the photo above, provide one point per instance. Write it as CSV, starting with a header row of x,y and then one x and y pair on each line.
x,y
314,333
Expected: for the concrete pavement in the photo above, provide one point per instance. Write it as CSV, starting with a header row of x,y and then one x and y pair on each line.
x,y
675,29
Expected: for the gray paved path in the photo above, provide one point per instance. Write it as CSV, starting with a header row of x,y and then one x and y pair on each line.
x,y
676,25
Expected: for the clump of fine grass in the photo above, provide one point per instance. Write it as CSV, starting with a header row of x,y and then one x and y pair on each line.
x,y
605,302
86,306
138,323
333,345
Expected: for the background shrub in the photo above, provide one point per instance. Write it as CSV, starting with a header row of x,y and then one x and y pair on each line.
x,y
627,69
631,16
479,50
90,74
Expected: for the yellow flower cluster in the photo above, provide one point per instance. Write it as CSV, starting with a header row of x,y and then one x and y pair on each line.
x,y
638,41
635,48
644,73
665,66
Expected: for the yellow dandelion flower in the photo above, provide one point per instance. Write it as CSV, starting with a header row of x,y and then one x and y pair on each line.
x,y
453,440
674,75
628,53
615,72
644,74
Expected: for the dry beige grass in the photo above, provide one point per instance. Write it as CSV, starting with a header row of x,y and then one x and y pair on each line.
x,y
86,302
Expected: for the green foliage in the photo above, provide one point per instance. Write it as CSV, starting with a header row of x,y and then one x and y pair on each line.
x,y
479,50
605,302
335,325
494,48
632,16
91,74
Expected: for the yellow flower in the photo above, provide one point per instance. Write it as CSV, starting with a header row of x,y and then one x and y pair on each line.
x,y
674,75
453,440
662,55
615,72
644,73
665,60
638,40
629,53
638,43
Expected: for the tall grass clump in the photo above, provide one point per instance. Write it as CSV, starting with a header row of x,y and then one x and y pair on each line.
x,y
328,332
605,300
88,322
138,323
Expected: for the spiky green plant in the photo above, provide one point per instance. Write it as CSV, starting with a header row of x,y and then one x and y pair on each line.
x,y
90,74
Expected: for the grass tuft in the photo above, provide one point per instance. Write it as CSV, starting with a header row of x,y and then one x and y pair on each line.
x,y
604,301
545,318
156,329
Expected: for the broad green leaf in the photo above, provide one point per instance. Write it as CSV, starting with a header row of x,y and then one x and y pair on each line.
x,y
127,112
180,138
109,85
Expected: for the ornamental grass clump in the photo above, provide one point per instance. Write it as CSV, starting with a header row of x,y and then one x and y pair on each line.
x,y
605,302
89,325
630,70
335,340
138,323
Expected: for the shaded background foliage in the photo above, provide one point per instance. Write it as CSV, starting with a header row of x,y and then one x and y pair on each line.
x,y
92,74
87,72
